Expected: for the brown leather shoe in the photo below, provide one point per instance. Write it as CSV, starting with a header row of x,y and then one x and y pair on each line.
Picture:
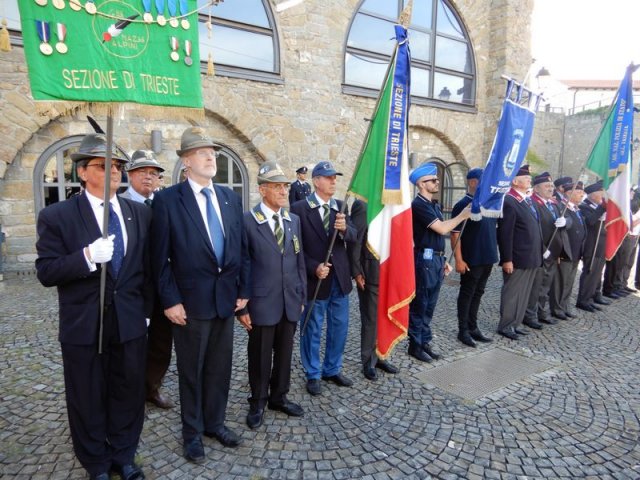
x,y
160,400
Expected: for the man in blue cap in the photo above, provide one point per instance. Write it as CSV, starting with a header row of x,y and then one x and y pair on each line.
x,y
475,254
319,217
429,228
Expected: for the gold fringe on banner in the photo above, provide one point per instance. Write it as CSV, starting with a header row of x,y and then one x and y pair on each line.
x,y
151,112
5,40
210,69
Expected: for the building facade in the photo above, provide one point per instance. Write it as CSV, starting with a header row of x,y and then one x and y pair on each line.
x,y
294,82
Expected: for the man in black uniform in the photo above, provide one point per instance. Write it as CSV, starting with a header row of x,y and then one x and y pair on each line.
x,y
299,189
593,211
429,228
552,224
475,254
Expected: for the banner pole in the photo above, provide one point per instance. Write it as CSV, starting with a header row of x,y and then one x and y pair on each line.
x,y
105,220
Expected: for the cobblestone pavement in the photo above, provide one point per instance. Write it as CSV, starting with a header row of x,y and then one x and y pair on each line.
x,y
578,419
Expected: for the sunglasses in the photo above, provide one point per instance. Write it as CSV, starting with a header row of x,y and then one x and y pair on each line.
x,y
117,165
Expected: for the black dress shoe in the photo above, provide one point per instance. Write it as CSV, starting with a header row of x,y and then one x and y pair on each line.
x,y
465,338
100,476
570,314
586,307
548,321
533,324
130,471
630,290
427,349
313,386
255,418
611,295
288,408
194,451
419,354
387,367
160,400
560,316
600,300
225,436
621,293
521,331
479,337
338,379
370,373
509,333
597,308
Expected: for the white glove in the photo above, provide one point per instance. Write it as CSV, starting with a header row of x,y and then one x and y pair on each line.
x,y
603,217
546,254
101,250
560,222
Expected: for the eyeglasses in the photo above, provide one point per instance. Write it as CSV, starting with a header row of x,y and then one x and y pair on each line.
x,y
207,152
278,186
117,165
150,173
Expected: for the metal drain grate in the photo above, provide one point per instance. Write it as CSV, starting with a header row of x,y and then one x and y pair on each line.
x,y
478,375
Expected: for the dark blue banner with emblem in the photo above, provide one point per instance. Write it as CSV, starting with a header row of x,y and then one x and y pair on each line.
x,y
113,51
509,150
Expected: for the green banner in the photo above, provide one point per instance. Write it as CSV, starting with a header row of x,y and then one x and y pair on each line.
x,y
142,51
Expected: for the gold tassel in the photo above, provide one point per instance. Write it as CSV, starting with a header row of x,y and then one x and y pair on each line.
x,y
210,70
5,41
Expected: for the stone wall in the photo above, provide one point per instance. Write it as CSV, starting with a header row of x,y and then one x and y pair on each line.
x,y
305,119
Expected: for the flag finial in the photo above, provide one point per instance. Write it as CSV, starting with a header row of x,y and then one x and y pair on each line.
x,y
405,16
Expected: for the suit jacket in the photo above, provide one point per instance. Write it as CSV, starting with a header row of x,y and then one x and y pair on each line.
x,y
64,229
363,262
299,191
560,245
315,243
576,232
519,235
184,265
591,214
278,281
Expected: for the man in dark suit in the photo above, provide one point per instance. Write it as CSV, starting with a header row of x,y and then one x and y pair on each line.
x,y
520,246
365,269
104,391
200,265
568,266
593,210
300,189
278,293
556,241
144,172
319,216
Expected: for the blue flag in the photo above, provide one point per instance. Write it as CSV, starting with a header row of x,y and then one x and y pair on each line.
x,y
509,149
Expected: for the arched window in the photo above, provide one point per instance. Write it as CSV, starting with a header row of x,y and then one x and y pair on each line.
x,y
442,62
55,177
232,173
243,42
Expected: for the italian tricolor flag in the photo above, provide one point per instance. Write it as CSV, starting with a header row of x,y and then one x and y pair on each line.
x,y
610,159
381,178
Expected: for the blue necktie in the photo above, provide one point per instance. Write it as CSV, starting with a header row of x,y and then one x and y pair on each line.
x,y
118,241
552,210
533,209
215,228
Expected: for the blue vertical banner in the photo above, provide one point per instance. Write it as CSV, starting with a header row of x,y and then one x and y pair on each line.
x,y
507,154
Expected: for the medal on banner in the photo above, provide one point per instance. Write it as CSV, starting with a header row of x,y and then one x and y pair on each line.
x,y
59,4
75,5
44,32
90,7
42,3
183,11
187,52
160,11
173,21
175,56
61,32
147,17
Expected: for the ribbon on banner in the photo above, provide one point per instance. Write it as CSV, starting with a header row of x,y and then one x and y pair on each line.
x,y
507,153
